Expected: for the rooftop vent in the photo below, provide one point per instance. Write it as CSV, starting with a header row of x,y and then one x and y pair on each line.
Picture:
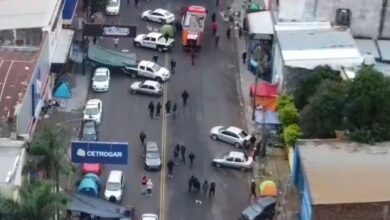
x,y
343,17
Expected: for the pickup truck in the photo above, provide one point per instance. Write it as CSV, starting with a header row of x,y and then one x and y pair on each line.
x,y
154,40
148,69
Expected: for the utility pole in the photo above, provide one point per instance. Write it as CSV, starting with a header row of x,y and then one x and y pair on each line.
x,y
258,72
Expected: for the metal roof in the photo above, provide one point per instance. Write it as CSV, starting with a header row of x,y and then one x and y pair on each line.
x,y
260,23
345,172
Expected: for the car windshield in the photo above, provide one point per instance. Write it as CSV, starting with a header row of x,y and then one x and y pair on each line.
x,y
92,110
167,13
225,156
243,134
112,3
152,155
252,211
156,67
89,129
113,186
100,78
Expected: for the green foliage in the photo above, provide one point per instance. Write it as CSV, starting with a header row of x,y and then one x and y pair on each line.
x,y
291,133
367,106
285,100
309,84
288,114
323,114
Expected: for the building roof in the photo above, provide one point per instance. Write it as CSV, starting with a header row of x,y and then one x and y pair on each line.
x,y
260,23
16,68
345,172
308,48
11,156
17,14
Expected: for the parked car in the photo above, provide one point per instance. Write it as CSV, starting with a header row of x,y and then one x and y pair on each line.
x,y
89,130
149,217
232,135
234,159
114,186
154,40
148,69
90,185
113,7
95,168
147,87
152,156
158,15
101,79
262,209
93,110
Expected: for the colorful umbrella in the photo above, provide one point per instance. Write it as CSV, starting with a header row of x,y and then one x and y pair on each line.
x,y
268,188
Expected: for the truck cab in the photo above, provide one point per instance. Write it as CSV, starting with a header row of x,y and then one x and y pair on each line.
x,y
150,70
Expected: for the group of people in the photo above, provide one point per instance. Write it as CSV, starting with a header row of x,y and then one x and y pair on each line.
x,y
168,106
146,186
195,186
179,149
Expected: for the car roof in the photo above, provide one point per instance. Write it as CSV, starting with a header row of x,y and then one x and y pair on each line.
x,y
160,10
101,70
151,145
154,34
151,83
146,63
266,201
234,129
236,154
115,176
93,102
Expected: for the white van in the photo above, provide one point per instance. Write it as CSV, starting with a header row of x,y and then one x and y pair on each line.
x,y
114,186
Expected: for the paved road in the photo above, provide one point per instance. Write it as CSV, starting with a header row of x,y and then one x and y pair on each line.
x,y
211,84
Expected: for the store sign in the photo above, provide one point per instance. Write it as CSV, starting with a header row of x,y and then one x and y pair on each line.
x,y
99,152
99,30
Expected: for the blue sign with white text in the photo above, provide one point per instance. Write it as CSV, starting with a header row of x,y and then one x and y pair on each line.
x,y
100,152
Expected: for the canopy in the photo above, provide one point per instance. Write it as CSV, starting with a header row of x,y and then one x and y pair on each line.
x,y
264,90
260,25
267,117
253,7
110,57
96,207
168,29
63,91
268,188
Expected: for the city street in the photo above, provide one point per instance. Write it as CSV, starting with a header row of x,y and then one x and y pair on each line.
x,y
213,100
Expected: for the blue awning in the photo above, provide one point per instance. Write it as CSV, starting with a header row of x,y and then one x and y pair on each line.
x,y
68,11
63,91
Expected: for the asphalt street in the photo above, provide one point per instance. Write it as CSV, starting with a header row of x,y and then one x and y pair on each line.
x,y
213,100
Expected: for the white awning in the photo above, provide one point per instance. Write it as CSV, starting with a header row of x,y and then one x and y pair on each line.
x,y
63,46
260,23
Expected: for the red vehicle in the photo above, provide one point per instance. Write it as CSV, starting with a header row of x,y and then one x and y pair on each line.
x,y
95,168
193,26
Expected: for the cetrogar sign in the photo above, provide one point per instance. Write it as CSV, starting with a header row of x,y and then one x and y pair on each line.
x,y
99,152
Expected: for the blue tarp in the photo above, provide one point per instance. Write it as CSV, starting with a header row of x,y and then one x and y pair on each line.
x,y
69,9
267,118
63,91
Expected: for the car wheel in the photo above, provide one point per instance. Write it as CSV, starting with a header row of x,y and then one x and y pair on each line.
x,y
214,137
237,145
133,91
162,21
218,165
243,169
136,44
159,79
133,75
160,49
145,18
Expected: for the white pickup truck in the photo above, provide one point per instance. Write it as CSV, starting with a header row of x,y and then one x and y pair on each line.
x,y
154,40
148,69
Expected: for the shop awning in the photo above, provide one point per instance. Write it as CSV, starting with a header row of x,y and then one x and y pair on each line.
x,y
62,50
260,25
68,11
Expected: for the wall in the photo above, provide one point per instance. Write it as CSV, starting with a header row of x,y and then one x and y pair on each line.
x,y
277,66
358,211
366,14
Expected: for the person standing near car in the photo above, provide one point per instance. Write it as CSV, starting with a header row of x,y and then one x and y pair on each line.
x,y
149,187
144,180
142,137
253,189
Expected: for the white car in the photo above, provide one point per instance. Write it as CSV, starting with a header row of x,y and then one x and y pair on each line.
x,y
149,217
113,7
159,15
234,159
101,80
148,69
114,186
93,110
149,87
231,135
154,40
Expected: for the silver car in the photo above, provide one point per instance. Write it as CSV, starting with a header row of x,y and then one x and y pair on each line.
x,y
152,156
149,87
234,159
232,135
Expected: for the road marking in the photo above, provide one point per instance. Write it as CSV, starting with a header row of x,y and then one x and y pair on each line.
x,y
163,146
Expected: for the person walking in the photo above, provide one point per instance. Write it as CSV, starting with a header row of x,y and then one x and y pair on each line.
x,y
184,97
176,153
214,27
196,185
149,187
142,137
170,166
212,189
151,109
252,140
216,39
205,187
116,42
253,189
155,58
168,108
193,55
173,65
174,109
144,180
213,17
191,156
228,32
190,183
243,56
135,3
240,32
183,153
158,109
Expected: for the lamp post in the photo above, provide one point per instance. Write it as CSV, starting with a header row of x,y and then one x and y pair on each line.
x,y
258,72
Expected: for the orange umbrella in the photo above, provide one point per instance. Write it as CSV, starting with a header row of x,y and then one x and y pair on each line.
x,y
268,188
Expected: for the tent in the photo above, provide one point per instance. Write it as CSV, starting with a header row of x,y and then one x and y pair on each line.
x,y
63,91
266,95
253,7
268,188
168,29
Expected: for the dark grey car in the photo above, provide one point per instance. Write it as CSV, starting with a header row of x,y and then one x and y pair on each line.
x,y
88,131
262,209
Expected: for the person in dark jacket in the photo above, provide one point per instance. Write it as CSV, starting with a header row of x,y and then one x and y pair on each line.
x,y
170,166
191,156
142,137
151,109
183,153
212,189
184,97
158,109
168,107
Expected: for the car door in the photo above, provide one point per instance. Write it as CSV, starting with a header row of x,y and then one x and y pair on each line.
x,y
143,88
149,72
152,90
229,162
227,136
238,162
153,43
142,70
155,16
146,42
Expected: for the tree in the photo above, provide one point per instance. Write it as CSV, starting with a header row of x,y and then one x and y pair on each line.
x,y
367,106
291,133
36,202
309,83
285,100
288,114
323,114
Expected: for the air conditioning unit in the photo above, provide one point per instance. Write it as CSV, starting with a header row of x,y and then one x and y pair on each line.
x,y
343,17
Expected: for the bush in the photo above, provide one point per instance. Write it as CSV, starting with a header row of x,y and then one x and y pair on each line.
x,y
288,114
285,100
291,134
